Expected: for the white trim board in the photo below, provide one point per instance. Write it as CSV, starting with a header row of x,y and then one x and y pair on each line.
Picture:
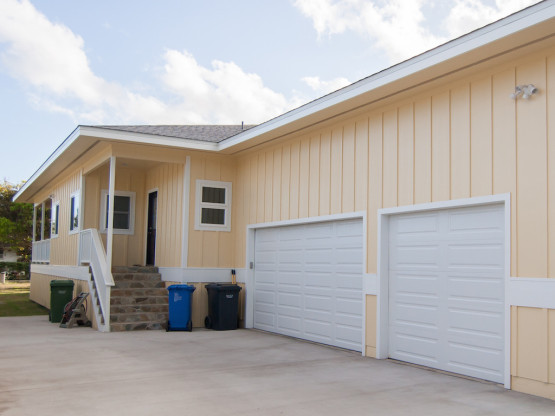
x,y
532,292
382,336
69,272
200,274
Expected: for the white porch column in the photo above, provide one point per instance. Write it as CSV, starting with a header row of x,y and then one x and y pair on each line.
x,y
111,190
81,215
34,222
42,218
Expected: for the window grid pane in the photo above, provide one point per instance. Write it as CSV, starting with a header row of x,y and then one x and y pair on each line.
x,y
213,216
213,195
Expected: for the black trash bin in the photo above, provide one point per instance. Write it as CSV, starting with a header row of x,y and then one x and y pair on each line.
x,y
223,306
61,292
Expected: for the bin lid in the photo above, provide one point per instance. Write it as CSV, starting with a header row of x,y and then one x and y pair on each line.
x,y
182,287
61,283
223,287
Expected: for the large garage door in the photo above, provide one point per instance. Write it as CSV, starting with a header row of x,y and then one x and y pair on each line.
x,y
446,290
308,282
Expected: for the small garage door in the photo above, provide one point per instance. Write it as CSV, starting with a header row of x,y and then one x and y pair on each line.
x,y
308,282
446,290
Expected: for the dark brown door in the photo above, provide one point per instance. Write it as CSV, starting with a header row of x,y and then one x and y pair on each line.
x,y
151,228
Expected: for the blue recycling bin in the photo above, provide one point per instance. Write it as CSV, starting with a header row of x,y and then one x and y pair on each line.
x,y
179,308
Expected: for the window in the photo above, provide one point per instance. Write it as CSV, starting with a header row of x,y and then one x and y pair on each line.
x,y
213,206
124,212
74,213
55,219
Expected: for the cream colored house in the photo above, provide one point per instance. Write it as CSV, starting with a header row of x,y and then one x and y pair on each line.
x,y
409,215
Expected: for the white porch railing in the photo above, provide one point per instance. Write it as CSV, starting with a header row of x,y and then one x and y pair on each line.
x,y
41,251
91,251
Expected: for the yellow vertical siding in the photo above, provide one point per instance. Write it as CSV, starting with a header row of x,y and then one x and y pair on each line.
x,y
441,147
215,248
532,174
63,249
465,139
422,150
480,138
460,142
504,149
550,97
168,179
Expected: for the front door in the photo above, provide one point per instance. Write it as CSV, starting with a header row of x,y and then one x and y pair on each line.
x,y
151,228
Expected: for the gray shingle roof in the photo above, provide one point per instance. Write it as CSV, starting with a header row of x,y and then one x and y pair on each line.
x,y
206,133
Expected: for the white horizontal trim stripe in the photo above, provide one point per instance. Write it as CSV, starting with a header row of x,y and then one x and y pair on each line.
x,y
69,272
532,292
370,284
200,275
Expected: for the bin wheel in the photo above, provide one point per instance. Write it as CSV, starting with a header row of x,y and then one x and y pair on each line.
x,y
190,326
168,326
207,322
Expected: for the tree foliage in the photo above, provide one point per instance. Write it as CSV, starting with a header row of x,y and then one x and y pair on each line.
x,y
16,222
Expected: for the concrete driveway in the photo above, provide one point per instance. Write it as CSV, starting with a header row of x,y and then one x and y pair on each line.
x,y
45,370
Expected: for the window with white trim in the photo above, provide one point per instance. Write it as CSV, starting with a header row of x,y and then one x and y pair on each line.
x,y
74,213
213,206
55,219
124,212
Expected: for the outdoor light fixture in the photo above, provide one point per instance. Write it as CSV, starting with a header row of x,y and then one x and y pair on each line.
x,y
526,91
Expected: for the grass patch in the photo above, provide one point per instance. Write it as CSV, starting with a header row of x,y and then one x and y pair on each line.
x,y
14,300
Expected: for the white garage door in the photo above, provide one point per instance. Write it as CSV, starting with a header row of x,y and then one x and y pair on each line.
x,y
308,282
446,290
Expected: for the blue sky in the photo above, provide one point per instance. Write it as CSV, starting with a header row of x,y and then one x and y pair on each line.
x,y
70,62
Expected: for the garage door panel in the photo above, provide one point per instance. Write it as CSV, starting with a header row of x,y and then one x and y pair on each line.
x,y
290,324
414,257
476,220
427,224
317,271
452,313
265,320
416,348
348,306
482,321
479,256
289,299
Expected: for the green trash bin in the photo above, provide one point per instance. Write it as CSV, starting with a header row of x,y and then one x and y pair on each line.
x,y
61,292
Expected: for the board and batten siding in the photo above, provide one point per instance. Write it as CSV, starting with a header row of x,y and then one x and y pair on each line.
x,y
465,139
63,248
168,180
211,248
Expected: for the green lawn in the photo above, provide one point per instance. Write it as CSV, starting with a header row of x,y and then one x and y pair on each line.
x,y
14,300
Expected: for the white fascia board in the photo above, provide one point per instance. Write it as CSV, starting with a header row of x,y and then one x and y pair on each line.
x,y
144,138
512,24
59,150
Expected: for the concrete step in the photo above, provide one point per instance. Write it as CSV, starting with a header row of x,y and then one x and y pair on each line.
x,y
137,277
137,326
159,317
139,300
160,308
134,269
138,284
139,292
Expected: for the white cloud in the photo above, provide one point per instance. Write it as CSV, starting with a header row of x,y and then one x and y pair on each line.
x,y
400,28
325,87
49,59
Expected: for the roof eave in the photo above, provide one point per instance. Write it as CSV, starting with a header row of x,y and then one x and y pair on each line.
x,y
475,41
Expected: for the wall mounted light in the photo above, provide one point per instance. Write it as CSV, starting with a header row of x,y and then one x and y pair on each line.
x,y
524,91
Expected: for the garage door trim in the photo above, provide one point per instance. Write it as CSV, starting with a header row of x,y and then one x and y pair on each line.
x,y
250,255
382,350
